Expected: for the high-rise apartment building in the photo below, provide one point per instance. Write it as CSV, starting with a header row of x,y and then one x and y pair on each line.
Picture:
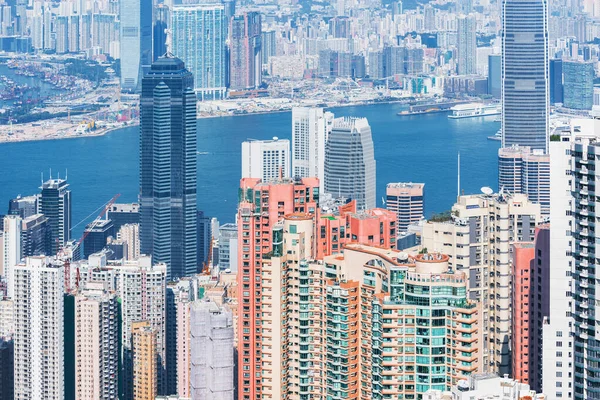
x,y
198,38
266,160
96,343
135,18
261,206
569,334
578,84
350,162
349,320
11,251
245,60
478,239
130,235
466,39
141,288
407,201
168,166
525,73
39,329
310,131
54,202
211,343
35,236
23,206
530,306
527,171
145,361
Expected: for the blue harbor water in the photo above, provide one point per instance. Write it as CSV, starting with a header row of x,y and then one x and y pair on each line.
x,y
421,148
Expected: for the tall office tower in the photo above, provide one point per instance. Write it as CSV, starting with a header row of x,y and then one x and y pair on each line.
x,y
310,130
73,31
198,38
142,287
211,346
267,160
162,17
168,166
126,213
39,329
23,206
54,202
407,201
556,81
35,236
130,234
522,170
96,343
260,208
11,251
578,84
245,51
467,44
478,240
228,247
61,29
145,357
98,233
318,301
525,74
136,42
350,162
204,238
495,75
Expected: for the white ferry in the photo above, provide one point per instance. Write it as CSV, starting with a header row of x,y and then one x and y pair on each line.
x,y
474,110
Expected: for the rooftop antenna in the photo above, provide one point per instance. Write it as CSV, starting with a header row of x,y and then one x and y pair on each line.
x,y
458,177
50,173
42,176
66,173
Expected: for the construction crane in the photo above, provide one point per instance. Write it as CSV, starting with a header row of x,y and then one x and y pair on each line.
x,y
86,232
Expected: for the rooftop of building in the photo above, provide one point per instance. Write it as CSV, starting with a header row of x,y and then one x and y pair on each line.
x,y
349,123
405,185
55,183
124,207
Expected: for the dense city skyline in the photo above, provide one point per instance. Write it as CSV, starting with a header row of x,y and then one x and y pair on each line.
x,y
328,278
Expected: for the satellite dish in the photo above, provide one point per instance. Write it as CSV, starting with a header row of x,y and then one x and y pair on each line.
x,y
487,190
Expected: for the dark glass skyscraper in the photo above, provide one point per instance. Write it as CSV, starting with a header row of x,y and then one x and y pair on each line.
x,y
168,166
556,81
525,73
55,203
